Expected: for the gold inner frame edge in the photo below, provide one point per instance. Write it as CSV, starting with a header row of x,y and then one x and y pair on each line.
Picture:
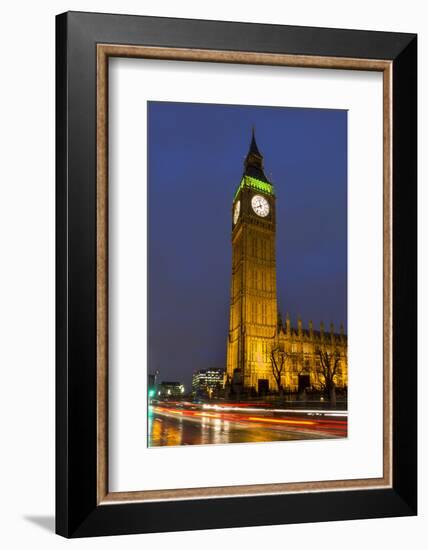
x,y
104,51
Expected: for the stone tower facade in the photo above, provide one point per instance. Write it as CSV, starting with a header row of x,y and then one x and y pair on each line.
x,y
255,326
253,308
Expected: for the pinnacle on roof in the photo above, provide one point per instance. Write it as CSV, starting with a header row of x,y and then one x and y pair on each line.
x,y
253,146
254,161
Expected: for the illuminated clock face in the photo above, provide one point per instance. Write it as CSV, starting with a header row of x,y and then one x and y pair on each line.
x,y
236,212
260,206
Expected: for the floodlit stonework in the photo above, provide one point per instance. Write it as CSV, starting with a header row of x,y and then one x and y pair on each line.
x,y
258,338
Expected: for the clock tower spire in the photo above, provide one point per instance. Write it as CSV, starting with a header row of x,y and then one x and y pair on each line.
x,y
253,307
254,161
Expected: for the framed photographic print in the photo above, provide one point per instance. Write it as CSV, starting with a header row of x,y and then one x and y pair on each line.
x,y
236,274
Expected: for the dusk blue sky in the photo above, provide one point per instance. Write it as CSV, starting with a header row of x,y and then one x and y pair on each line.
x,y
196,154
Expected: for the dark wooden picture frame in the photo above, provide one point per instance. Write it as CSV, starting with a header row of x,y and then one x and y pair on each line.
x,y
84,505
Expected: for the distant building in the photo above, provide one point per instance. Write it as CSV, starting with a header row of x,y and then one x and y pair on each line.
x,y
170,389
208,381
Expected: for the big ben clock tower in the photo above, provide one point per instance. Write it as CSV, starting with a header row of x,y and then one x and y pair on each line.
x,y
253,305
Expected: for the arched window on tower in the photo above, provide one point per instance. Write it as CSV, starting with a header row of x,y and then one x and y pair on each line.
x,y
264,249
254,312
254,247
264,313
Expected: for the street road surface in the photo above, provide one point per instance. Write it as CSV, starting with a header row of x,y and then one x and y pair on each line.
x,y
178,423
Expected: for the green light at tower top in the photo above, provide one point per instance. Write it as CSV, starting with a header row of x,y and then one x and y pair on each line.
x,y
254,183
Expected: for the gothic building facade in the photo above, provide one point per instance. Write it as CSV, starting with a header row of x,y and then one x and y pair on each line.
x,y
263,353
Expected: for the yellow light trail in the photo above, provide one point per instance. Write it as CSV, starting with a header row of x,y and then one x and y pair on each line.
x,y
281,421
161,410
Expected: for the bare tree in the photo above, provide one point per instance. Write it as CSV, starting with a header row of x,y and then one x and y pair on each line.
x,y
277,359
328,369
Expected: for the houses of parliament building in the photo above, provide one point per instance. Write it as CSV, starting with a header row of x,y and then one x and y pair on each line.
x,y
256,329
